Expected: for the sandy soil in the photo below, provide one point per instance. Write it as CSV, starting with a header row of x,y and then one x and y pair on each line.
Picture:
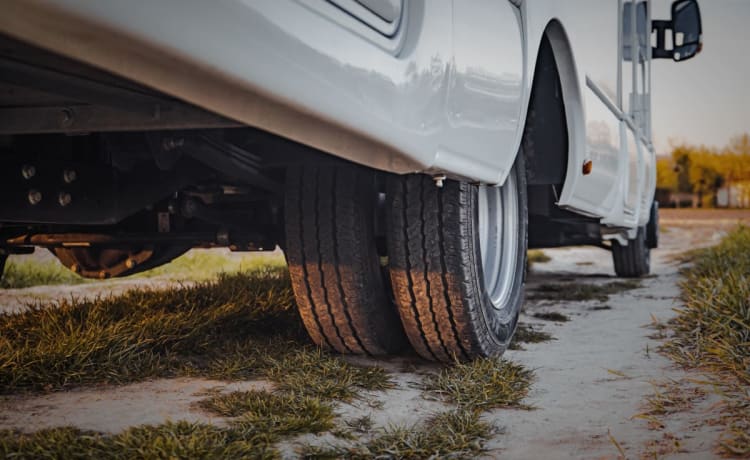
x,y
590,381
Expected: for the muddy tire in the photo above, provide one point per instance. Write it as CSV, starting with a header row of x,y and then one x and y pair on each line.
x,y
438,240
334,265
633,260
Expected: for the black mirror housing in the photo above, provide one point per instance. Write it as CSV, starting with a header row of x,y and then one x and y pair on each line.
x,y
687,32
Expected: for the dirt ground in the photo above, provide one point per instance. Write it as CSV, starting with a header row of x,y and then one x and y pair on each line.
x,y
591,380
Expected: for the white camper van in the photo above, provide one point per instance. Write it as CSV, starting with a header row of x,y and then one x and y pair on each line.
x,y
404,154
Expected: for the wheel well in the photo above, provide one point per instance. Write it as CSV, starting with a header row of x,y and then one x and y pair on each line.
x,y
548,135
545,139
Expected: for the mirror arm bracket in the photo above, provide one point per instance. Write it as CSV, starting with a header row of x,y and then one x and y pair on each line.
x,y
661,27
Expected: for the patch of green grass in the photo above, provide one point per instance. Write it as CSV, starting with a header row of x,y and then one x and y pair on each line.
x,y
28,273
455,434
169,440
482,384
273,413
195,265
581,292
313,372
525,333
535,256
238,327
552,316
213,329
208,264
712,329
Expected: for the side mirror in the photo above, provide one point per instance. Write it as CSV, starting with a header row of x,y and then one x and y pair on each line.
x,y
686,28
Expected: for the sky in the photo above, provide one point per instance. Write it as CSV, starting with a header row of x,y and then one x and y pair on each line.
x,y
705,100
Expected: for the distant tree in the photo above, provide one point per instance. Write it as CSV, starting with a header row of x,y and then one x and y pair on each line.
x,y
704,170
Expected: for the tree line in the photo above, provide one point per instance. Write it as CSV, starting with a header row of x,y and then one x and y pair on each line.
x,y
704,171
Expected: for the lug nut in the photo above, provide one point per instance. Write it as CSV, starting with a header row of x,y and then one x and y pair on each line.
x,y
64,198
28,171
69,175
35,196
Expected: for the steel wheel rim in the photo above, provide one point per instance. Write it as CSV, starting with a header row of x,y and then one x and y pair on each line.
x,y
498,239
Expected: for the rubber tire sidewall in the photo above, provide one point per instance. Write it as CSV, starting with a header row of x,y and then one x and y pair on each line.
x,y
501,332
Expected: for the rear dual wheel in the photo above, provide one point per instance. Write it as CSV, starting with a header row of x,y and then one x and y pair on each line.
x,y
457,258
335,269
456,261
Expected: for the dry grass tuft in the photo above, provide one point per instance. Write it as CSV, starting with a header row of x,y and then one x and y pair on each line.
x,y
581,292
482,384
313,372
669,397
526,333
553,316
712,330
458,434
170,440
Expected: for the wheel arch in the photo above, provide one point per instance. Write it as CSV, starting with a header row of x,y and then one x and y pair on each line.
x,y
548,158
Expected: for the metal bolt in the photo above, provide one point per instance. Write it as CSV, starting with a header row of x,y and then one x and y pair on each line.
x,y
130,263
69,175
64,198
35,196
28,171
103,275
74,268
439,180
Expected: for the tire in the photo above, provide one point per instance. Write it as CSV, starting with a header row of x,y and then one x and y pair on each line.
x,y
334,265
633,260
437,267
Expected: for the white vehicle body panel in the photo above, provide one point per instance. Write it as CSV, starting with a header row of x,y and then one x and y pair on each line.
x,y
445,93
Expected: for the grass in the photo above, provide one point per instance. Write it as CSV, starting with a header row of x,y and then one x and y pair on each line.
x,y
712,330
26,273
482,384
535,256
313,372
473,387
203,265
195,265
169,440
582,292
669,397
457,434
552,316
274,414
262,419
525,333
238,327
